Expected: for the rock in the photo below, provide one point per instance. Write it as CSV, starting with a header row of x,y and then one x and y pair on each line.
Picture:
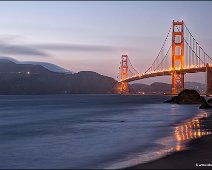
x,y
204,104
173,100
189,97
210,101
167,101
186,97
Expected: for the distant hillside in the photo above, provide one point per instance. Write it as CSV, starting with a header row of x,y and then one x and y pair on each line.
x,y
160,88
49,66
7,66
200,87
36,79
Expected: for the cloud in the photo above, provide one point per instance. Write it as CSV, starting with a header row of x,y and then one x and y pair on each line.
x,y
21,50
40,50
9,46
78,47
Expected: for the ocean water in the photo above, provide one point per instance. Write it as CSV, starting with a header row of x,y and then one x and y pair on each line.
x,y
92,131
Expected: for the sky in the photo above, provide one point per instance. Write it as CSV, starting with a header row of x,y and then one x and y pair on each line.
x,y
93,35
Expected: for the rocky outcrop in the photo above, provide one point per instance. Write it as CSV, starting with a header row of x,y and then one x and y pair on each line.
x,y
204,104
186,97
172,100
210,101
190,97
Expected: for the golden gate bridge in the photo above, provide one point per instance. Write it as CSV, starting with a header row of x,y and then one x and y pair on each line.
x,y
183,55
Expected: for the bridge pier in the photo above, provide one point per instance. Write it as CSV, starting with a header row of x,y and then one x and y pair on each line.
x,y
209,80
122,88
177,82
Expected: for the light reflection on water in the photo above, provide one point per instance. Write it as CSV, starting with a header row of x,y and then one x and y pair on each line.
x,y
184,132
191,129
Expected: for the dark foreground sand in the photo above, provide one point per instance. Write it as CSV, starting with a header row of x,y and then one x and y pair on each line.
x,y
200,152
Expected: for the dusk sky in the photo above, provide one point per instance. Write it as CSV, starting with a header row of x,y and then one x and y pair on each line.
x,y
93,35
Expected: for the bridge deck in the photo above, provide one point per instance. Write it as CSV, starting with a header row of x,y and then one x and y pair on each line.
x,y
164,73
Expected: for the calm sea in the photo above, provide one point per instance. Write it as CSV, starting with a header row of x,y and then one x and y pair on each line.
x,y
91,131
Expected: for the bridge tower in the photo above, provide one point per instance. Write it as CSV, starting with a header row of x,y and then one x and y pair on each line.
x,y
123,87
177,56
209,80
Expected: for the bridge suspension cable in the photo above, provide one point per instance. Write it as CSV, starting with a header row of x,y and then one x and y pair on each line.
x,y
163,58
131,68
154,66
195,55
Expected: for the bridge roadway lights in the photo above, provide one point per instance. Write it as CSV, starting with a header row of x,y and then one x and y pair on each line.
x,y
209,80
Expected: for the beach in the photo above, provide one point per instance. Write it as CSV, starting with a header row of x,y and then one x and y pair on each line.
x,y
197,156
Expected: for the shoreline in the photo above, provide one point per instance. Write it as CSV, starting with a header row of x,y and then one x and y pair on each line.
x,y
197,156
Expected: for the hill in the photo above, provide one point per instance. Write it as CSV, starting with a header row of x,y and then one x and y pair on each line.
x,y
161,88
49,66
36,79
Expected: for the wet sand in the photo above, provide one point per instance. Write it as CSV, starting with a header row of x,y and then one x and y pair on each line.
x,y
199,152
